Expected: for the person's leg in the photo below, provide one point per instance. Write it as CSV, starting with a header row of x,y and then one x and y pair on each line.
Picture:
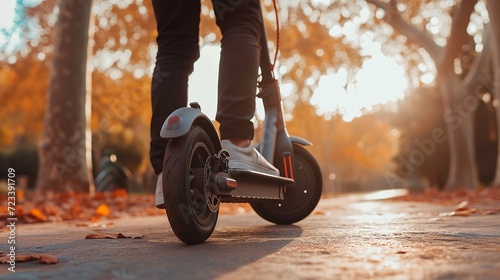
x,y
178,33
240,24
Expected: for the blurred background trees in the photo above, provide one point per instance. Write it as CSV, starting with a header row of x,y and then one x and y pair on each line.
x,y
457,78
317,39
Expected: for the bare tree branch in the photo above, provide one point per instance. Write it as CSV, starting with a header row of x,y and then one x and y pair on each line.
x,y
458,33
415,35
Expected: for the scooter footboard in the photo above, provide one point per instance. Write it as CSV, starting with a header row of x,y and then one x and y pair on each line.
x,y
254,185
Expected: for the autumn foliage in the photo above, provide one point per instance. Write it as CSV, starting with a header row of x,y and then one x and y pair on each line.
x,y
81,207
123,52
354,155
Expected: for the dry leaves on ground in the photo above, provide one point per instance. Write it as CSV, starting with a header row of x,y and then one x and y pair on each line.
x,y
81,207
44,259
89,210
462,210
485,201
102,235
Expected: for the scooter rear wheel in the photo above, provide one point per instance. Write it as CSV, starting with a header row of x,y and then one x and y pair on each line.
x,y
183,186
300,198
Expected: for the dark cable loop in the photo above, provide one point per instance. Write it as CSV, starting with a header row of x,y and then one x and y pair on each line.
x,y
277,35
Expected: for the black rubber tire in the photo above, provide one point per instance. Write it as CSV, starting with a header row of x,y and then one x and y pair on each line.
x,y
300,198
110,180
186,207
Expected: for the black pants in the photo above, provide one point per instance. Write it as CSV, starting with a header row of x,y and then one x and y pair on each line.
x,y
178,49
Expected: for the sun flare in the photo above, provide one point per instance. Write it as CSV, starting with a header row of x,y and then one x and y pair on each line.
x,y
380,81
8,13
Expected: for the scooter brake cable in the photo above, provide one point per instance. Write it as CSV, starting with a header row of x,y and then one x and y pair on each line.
x,y
277,34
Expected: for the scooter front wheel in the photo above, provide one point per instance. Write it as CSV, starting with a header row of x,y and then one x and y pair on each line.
x,y
183,186
300,198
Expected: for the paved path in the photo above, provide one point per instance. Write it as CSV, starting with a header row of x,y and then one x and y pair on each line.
x,y
347,237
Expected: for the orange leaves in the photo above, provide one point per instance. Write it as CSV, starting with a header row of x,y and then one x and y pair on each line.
x,y
359,150
48,259
81,207
44,259
103,210
467,202
20,194
37,214
463,205
119,193
462,210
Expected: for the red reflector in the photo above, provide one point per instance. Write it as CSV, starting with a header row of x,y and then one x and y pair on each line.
x,y
174,120
232,183
290,164
285,167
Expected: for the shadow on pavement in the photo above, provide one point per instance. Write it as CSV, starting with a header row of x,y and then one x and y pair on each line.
x,y
159,255
225,251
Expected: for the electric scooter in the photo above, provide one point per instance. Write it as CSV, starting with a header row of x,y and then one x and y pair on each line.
x,y
197,178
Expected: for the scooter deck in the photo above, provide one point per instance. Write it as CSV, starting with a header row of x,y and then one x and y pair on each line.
x,y
242,173
253,185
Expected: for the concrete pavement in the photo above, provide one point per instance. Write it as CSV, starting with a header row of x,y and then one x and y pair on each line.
x,y
347,237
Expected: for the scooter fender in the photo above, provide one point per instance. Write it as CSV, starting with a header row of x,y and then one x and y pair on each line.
x,y
300,141
181,120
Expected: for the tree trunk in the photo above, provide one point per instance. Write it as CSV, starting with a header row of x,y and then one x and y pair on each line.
x,y
493,9
63,150
459,108
88,100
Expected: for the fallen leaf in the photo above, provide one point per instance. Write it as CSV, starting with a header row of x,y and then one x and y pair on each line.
x,y
99,196
119,193
48,259
462,205
27,258
20,194
101,236
464,213
44,259
4,259
37,214
103,210
20,210
110,236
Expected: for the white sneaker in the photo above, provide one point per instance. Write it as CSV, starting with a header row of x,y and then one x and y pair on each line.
x,y
248,158
159,201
